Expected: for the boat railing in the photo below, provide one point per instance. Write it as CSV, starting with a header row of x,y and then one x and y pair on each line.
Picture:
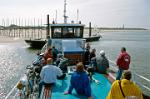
x,y
12,94
142,81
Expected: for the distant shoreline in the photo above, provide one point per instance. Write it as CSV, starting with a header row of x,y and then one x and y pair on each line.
x,y
6,39
109,28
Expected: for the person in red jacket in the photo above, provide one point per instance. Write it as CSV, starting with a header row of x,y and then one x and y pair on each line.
x,y
48,53
123,62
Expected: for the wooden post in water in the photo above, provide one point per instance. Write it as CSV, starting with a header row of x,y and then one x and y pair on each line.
x,y
14,27
34,29
90,29
38,29
25,27
41,28
19,27
47,34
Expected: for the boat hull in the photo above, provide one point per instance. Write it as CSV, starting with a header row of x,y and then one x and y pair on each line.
x,y
92,38
36,43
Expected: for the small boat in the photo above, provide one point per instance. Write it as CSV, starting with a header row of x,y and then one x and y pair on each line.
x,y
39,43
36,43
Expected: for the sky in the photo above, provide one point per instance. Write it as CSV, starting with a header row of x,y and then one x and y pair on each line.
x,y
101,13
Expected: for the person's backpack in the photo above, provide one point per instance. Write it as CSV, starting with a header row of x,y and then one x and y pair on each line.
x,y
127,97
131,97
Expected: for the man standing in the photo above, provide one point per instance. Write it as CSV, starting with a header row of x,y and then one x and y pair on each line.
x,y
49,74
123,62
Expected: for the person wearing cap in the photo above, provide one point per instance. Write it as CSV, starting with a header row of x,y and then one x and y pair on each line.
x,y
129,89
102,63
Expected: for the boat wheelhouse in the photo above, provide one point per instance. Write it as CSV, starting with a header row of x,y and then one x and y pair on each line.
x,y
61,31
68,40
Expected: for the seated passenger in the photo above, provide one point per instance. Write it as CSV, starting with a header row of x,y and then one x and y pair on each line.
x,y
48,53
80,82
92,54
87,56
54,52
102,63
129,89
49,74
88,46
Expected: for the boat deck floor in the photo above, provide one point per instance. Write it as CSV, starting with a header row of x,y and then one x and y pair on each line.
x,y
99,91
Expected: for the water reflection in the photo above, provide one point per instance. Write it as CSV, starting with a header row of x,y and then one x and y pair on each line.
x,y
13,60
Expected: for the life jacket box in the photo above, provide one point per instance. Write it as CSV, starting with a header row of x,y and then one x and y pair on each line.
x,y
73,50
74,58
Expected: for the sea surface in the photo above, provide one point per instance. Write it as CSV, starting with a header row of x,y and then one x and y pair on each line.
x,y
15,56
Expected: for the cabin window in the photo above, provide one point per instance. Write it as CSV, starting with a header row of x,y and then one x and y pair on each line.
x,y
77,32
68,32
57,33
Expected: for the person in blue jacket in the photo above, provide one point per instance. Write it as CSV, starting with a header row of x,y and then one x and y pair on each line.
x,y
80,82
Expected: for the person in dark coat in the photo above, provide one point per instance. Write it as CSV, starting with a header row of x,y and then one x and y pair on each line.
x,y
102,63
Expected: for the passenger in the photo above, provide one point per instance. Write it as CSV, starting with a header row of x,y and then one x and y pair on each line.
x,y
102,63
88,46
87,56
92,54
49,74
54,52
129,89
48,54
122,62
80,82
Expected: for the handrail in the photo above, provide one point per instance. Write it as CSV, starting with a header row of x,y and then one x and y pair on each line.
x,y
142,77
7,97
13,89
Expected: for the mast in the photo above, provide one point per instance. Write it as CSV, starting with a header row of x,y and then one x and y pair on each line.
x,y
77,15
65,16
56,17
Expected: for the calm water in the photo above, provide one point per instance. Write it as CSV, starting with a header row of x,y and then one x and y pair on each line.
x,y
15,56
137,44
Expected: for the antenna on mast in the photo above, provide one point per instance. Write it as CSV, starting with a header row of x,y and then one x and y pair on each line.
x,y
56,17
77,15
65,16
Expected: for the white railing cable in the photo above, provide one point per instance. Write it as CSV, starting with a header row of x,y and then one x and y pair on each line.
x,y
135,74
142,77
7,97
